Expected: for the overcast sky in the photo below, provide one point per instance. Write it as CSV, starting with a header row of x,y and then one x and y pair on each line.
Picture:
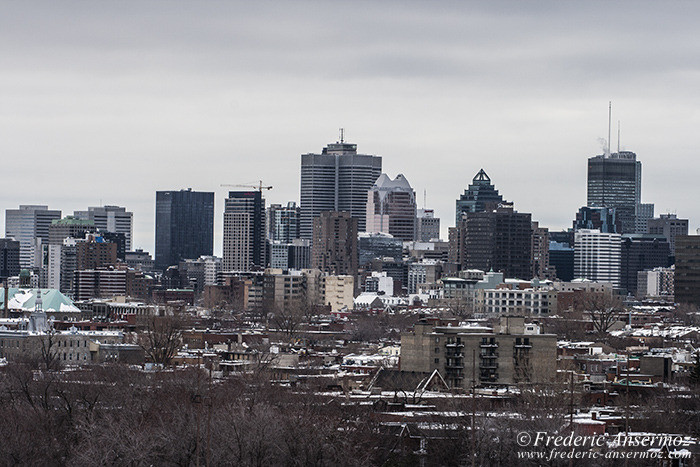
x,y
107,102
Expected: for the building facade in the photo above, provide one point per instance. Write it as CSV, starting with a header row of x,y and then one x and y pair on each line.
x,y
184,226
336,180
244,231
391,208
615,181
334,246
481,195
427,225
687,274
670,226
283,222
27,224
114,219
9,258
597,256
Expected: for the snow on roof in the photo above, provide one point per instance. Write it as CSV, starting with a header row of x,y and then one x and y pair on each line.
x,y
25,300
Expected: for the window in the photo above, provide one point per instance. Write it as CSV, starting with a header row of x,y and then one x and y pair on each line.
x,y
437,360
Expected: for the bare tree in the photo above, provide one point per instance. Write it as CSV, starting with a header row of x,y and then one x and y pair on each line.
x,y
603,310
49,350
162,338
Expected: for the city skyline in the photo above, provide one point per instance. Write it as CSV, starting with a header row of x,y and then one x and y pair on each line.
x,y
462,87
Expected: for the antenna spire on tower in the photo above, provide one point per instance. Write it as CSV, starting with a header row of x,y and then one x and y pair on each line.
x,y
618,136
609,120
342,135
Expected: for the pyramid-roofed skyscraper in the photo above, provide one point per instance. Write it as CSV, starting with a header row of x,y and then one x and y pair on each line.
x,y
478,197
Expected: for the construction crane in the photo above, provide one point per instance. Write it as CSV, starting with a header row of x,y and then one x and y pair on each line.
x,y
260,187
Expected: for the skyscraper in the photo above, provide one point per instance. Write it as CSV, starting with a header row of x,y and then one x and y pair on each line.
x,y
478,197
184,226
670,227
283,222
244,231
27,224
334,248
336,180
597,256
427,225
9,258
391,208
687,276
615,181
115,219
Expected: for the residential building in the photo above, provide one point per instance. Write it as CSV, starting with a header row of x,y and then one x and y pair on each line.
x,y
597,256
336,180
540,252
656,283
184,226
94,252
534,301
515,353
391,208
338,291
99,283
114,219
26,224
334,246
244,231
283,222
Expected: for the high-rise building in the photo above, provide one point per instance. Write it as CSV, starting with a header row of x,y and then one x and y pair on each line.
x,y
184,226
615,181
427,225
597,218
9,258
478,197
283,222
540,252
499,239
561,259
597,256
378,246
639,253
391,208
115,219
334,245
336,180
244,231
670,227
687,277
643,212
69,226
94,252
27,224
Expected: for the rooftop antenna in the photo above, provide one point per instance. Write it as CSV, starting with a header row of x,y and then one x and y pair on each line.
x,y
342,134
609,119
425,196
618,136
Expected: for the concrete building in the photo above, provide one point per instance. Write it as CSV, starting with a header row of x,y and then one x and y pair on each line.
x,y
99,283
26,224
426,271
427,225
338,291
535,301
336,180
514,353
615,181
69,226
656,283
140,260
480,196
670,227
244,231
540,252
94,252
597,256
334,246
687,274
184,226
391,208
114,219
283,222
642,214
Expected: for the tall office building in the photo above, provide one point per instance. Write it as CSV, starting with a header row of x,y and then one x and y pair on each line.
x,y
478,197
597,256
334,245
615,181
184,226
687,275
670,227
283,222
244,231
26,225
427,225
499,239
69,226
597,218
114,219
391,208
643,212
336,180
9,258
641,252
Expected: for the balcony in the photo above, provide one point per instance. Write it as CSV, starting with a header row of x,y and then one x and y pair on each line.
x,y
489,355
488,365
454,345
487,345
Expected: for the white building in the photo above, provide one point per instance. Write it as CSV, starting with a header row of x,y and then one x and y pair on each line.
x,y
597,256
657,282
